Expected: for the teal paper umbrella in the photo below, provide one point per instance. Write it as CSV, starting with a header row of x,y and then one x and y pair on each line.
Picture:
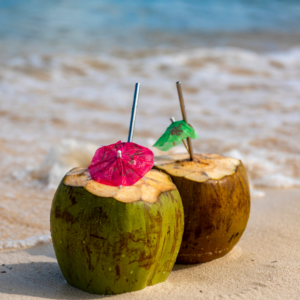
x,y
174,135
178,131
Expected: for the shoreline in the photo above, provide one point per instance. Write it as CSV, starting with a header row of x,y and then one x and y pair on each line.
x,y
261,42
264,264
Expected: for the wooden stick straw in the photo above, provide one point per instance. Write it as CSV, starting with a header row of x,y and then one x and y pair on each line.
x,y
179,91
184,143
133,112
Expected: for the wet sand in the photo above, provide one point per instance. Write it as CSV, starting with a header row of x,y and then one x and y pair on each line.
x,y
264,264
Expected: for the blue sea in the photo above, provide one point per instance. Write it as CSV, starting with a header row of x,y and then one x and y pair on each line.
x,y
98,26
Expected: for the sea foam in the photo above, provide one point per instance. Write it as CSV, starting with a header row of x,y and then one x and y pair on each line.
x,y
28,242
242,104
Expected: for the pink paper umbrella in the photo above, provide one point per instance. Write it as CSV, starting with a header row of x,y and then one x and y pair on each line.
x,y
121,164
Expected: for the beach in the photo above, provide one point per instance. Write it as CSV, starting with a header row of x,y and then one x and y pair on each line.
x,y
67,76
56,111
264,264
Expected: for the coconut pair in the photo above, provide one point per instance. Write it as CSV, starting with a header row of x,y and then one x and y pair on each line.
x,y
111,239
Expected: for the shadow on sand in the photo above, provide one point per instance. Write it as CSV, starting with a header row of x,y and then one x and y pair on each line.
x,y
40,279
44,279
179,267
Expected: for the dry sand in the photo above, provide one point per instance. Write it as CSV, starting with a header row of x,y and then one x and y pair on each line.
x,y
264,265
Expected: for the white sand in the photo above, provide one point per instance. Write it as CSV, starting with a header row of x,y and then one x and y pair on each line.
x,y
264,265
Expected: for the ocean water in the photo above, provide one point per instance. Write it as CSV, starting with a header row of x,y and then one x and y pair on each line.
x,y
97,26
67,75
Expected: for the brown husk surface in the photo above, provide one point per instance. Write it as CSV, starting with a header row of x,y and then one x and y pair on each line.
x,y
216,213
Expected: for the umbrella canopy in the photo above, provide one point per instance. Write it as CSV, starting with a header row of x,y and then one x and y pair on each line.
x,y
174,135
121,164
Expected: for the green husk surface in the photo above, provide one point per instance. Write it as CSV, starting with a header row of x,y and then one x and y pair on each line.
x,y
105,246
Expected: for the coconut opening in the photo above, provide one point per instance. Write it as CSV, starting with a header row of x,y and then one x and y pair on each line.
x,y
203,168
147,190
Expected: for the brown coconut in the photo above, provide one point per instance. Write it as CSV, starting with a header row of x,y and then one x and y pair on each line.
x,y
216,201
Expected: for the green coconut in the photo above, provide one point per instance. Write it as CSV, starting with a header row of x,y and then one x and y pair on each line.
x,y
111,240
216,199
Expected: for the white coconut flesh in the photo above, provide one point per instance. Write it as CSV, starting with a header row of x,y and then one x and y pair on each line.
x,y
147,189
203,168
